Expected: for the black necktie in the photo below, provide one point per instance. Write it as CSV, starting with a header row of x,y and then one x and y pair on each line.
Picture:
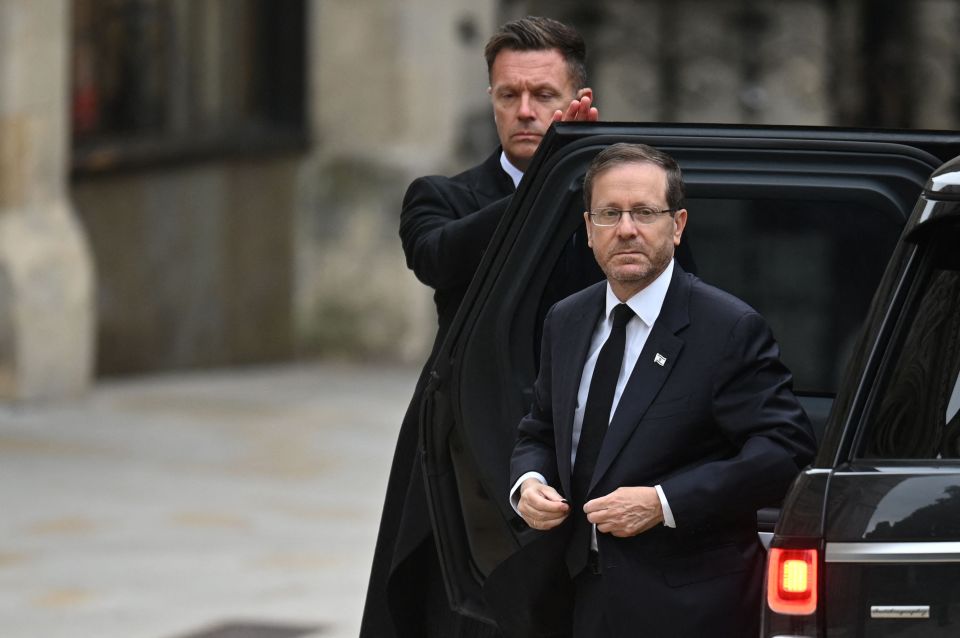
x,y
596,419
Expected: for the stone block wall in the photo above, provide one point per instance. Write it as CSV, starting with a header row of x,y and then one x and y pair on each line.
x,y
397,91
46,277
233,261
195,264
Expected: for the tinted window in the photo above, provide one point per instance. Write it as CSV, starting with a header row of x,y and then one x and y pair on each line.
x,y
916,412
810,268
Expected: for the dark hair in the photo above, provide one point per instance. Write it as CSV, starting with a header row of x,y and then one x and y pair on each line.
x,y
534,33
622,153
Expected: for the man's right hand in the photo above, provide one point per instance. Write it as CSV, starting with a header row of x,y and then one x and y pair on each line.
x,y
541,506
579,110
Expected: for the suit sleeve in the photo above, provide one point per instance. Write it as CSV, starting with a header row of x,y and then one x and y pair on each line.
x,y
535,448
755,409
442,239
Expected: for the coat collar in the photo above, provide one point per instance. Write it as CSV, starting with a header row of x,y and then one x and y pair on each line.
x,y
489,178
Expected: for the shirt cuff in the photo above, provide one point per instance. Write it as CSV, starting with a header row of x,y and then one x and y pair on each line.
x,y
667,512
515,490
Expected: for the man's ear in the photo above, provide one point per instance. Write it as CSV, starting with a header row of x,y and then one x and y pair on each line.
x,y
585,92
586,220
680,222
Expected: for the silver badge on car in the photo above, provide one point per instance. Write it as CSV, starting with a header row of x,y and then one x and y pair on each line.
x,y
900,611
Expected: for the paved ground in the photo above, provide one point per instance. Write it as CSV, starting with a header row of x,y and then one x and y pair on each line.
x,y
182,505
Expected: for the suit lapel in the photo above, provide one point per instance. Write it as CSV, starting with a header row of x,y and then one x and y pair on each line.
x,y
653,367
569,370
490,181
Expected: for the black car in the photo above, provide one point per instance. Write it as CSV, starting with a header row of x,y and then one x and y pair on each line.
x,y
800,223
869,539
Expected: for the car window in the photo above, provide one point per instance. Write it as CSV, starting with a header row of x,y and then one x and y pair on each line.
x,y
809,267
916,413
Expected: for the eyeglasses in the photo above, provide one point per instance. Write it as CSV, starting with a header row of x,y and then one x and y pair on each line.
x,y
638,214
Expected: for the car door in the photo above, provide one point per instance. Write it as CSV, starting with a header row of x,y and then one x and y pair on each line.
x,y
799,222
892,517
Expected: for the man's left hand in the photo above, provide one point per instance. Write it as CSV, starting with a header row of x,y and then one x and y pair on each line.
x,y
626,511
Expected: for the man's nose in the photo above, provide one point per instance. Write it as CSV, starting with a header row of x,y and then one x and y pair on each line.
x,y
626,227
526,107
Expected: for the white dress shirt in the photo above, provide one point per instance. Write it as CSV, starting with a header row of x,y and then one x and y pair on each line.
x,y
646,305
515,173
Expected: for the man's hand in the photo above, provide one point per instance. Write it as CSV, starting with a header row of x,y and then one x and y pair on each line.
x,y
541,506
578,111
626,511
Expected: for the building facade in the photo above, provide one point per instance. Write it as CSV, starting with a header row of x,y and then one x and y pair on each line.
x,y
192,184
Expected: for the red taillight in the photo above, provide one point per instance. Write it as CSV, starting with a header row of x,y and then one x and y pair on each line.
x,y
792,581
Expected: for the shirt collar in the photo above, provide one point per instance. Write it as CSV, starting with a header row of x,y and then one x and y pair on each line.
x,y
515,173
647,303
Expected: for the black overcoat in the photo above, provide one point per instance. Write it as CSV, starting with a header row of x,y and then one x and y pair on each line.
x,y
445,226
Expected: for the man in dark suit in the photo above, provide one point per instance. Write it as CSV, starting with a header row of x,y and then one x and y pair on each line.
x,y
662,420
537,77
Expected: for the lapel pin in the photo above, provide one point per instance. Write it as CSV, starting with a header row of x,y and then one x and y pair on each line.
x,y
660,360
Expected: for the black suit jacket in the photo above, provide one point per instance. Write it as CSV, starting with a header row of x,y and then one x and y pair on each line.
x,y
717,426
445,226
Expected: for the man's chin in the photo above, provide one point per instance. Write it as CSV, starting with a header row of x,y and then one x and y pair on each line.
x,y
630,265
630,274
523,149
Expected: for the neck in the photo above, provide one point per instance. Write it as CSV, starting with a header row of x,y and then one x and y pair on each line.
x,y
625,290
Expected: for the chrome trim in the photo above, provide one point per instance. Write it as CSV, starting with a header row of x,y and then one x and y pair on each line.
x,y
765,538
900,612
938,467
939,552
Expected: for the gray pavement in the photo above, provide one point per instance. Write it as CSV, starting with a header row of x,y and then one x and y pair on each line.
x,y
173,506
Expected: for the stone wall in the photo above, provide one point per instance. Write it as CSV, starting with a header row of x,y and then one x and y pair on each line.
x,y
397,91
46,278
194,262
227,262
876,63
233,261
727,61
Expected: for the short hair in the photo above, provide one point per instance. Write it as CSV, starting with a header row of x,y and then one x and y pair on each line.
x,y
535,33
623,153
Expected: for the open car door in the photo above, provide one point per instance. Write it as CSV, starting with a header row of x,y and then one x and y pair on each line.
x,y
798,222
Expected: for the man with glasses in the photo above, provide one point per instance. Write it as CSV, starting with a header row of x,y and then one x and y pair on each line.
x,y
662,420
537,77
